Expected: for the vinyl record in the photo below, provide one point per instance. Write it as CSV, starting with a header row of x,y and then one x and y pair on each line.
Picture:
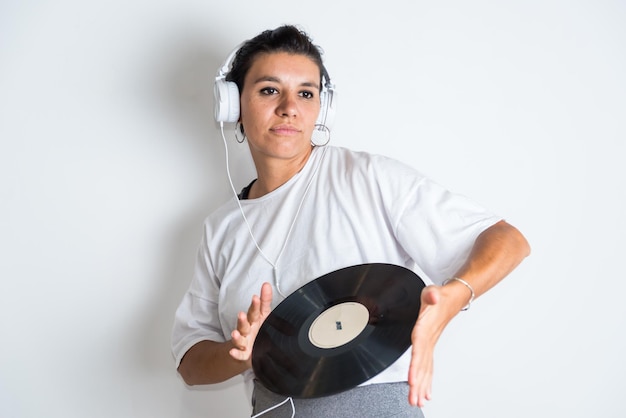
x,y
337,331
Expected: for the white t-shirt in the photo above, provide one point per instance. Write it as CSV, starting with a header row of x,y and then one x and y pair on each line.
x,y
352,208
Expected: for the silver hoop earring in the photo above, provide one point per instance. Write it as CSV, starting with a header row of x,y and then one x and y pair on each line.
x,y
238,130
319,139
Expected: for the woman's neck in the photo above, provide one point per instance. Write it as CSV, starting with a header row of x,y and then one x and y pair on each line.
x,y
273,173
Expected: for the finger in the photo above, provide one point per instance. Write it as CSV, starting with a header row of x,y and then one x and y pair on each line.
x,y
266,299
240,354
239,341
420,381
421,365
243,326
254,311
236,354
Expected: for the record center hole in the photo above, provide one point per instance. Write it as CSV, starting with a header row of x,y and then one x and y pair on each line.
x,y
338,325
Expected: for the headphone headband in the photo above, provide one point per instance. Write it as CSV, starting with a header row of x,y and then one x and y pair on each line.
x,y
225,68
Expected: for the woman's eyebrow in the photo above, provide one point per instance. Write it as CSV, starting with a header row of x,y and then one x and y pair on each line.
x,y
274,79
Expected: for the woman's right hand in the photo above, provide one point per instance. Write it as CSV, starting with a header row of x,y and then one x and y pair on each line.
x,y
248,325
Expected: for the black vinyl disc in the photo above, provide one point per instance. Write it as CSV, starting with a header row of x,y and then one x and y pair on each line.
x,y
338,331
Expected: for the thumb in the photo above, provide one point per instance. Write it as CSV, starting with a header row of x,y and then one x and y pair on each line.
x,y
430,296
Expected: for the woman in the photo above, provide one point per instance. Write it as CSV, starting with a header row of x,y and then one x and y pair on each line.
x,y
316,209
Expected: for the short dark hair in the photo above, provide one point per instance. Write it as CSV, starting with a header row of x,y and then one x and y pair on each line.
x,y
287,38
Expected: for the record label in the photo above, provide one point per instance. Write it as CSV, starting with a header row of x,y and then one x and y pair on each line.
x,y
338,325
337,331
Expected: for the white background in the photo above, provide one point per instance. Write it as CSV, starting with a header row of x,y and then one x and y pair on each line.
x,y
110,160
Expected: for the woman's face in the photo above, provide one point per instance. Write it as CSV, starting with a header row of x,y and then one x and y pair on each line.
x,y
279,105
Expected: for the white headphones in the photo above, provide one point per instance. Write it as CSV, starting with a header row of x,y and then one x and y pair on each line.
x,y
227,108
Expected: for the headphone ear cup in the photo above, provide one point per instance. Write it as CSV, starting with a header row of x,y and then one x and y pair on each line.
x,y
226,101
327,108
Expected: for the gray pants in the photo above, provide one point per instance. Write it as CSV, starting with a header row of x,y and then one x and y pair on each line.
x,y
380,400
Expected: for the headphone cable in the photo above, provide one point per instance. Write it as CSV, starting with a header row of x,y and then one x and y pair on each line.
x,y
256,244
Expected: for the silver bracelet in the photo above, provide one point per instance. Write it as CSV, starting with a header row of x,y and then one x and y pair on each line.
x,y
466,307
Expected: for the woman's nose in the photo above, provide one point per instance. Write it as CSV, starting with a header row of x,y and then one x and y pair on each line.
x,y
287,106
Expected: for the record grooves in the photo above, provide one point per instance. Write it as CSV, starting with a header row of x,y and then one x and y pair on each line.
x,y
338,331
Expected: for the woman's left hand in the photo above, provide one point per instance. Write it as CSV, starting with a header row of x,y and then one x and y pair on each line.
x,y
496,252
433,317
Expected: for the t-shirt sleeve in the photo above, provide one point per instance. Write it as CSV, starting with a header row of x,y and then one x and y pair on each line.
x,y
197,316
436,227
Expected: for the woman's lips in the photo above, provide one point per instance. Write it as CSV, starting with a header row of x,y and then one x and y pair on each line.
x,y
285,130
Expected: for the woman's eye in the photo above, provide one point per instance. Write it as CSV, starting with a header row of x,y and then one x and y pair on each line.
x,y
269,91
307,94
